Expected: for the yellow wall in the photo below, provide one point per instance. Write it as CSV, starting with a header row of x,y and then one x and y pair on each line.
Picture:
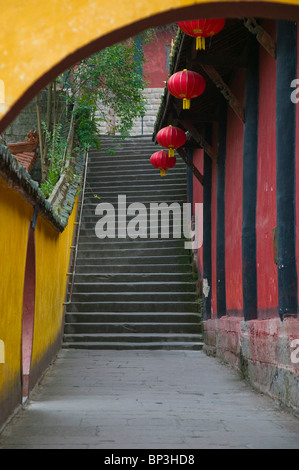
x,y
15,217
52,263
36,37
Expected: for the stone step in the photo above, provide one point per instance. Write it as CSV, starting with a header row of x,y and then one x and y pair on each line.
x,y
132,328
132,337
118,287
90,206
133,155
95,252
134,268
123,345
92,242
115,149
151,192
133,317
155,214
142,158
134,306
135,260
128,230
108,244
130,158
110,147
142,231
130,148
176,171
131,277
139,177
126,165
133,233
123,200
145,183
126,297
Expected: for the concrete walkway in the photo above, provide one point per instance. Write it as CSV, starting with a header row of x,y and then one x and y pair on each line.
x,y
147,400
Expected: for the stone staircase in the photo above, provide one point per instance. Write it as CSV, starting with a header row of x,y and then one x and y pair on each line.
x,y
132,293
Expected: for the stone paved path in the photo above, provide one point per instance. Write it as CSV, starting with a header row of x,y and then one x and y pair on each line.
x,y
147,400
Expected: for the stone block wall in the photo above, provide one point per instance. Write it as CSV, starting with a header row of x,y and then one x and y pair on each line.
x,y
262,351
26,121
141,126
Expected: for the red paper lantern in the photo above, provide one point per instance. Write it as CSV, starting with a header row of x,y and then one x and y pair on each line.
x,y
162,161
202,29
186,85
171,138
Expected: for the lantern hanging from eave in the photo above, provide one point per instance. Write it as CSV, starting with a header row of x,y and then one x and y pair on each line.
x,y
186,85
171,138
202,29
162,161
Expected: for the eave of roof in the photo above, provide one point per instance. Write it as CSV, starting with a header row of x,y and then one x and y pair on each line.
x,y
225,53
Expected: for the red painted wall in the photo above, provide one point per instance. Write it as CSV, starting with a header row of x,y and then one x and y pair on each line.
x,y
198,196
260,347
233,203
297,164
266,185
155,54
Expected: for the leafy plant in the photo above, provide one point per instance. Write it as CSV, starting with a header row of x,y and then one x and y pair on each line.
x,y
110,151
86,128
113,78
56,144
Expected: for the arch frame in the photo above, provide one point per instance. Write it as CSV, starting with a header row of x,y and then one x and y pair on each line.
x,y
76,48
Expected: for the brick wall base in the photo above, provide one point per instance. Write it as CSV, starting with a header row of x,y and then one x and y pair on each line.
x,y
262,351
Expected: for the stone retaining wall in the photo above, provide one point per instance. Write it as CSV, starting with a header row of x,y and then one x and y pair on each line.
x,y
141,126
262,350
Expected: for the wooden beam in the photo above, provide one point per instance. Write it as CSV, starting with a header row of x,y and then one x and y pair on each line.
x,y
261,35
199,138
217,60
225,90
191,165
197,116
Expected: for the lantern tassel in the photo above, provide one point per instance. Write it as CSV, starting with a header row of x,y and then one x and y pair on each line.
x,y
162,172
171,152
200,43
186,103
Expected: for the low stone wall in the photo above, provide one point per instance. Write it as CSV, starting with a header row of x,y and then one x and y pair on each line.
x,y
264,351
26,121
